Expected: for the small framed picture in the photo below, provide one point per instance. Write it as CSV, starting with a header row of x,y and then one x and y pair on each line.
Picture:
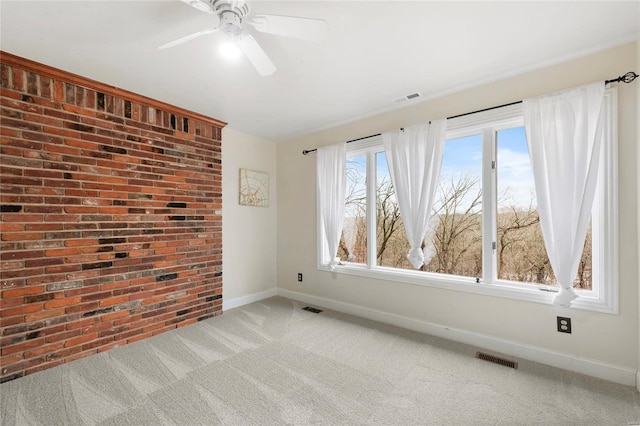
x,y
254,188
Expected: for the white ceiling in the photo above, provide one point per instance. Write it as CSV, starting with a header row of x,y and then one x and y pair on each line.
x,y
375,51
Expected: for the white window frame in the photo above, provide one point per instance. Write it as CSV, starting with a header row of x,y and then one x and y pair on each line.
x,y
604,294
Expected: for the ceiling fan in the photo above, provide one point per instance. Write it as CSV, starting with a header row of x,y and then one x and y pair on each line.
x,y
232,14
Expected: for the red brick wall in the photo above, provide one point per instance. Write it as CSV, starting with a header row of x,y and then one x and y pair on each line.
x,y
111,227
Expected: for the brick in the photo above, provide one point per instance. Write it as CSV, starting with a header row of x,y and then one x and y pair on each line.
x,y
10,303
80,210
42,226
82,323
59,328
44,350
77,143
32,263
62,335
79,110
62,269
11,227
139,337
38,298
64,285
114,315
43,279
62,149
58,91
20,124
73,354
24,291
97,328
114,301
118,285
22,236
95,343
11,321
82,309
12,264
11,359
80,340
21,255
49,313
44,173
21,273
62,252
21,347
81,243
56,303
22,218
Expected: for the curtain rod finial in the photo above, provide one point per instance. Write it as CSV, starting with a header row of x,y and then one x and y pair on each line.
x,y
627,78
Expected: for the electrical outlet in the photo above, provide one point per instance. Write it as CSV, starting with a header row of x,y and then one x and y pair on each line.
x,y
564,325
299,276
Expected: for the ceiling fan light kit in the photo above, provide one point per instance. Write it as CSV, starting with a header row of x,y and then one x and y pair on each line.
x,y
229,50
231,15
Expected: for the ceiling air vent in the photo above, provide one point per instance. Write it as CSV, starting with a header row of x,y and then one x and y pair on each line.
x,y
409,97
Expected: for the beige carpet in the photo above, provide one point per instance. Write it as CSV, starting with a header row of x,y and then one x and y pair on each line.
x,y
272,363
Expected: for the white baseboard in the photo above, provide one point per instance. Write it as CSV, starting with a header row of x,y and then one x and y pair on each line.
x,y
613,373
250,298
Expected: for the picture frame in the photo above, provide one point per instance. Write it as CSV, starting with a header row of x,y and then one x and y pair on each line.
x,y
253,188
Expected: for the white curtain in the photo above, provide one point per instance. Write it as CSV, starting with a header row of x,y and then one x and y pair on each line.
x,y
564,136
331,178
414,157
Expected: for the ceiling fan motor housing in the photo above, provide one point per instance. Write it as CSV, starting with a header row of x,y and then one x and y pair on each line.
x,y
231,14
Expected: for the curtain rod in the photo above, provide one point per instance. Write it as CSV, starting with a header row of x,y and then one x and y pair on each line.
x,y
627,78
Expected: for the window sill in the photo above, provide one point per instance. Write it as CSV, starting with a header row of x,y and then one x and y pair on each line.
x,y
588,300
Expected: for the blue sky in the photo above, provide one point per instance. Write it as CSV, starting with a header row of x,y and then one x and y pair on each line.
x,y
514,168
463,156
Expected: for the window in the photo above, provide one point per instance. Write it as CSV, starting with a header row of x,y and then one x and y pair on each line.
x,y
484,233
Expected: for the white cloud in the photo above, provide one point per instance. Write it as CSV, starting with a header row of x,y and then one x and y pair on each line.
x,y
514,173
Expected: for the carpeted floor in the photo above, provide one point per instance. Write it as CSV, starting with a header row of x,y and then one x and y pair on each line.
x,y
272,363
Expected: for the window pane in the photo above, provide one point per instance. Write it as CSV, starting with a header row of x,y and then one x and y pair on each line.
x,y
353,244
454,241
392,246
455,238
521,252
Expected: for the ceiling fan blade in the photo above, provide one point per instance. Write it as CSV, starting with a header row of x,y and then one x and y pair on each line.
x,y
203,6
256,55
290,26
189,37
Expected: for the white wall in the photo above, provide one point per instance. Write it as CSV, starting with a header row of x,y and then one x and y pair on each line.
x,y
637,70
603,339
248,233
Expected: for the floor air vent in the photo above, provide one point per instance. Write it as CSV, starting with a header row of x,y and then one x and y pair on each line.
x,y
497,360
310,309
